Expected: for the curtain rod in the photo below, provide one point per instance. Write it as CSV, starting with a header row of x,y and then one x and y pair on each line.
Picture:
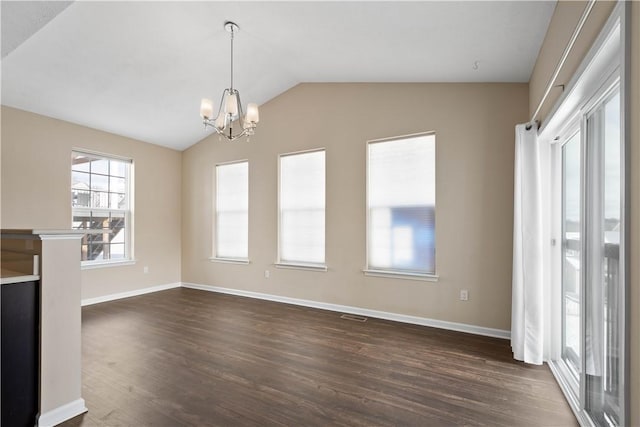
x,y
563,58
530,125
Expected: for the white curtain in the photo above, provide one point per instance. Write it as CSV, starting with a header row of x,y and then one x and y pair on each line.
x,y
528,296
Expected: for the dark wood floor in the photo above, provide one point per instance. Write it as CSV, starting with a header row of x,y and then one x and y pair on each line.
x,y
184,357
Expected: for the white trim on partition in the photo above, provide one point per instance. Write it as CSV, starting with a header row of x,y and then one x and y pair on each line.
x,y
128,294
60,236
62,413
19,279
423,321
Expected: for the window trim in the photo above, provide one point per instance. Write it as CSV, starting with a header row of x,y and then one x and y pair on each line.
x,y
214,239
368,270
128,213
222,260
425,277
300,265
102,264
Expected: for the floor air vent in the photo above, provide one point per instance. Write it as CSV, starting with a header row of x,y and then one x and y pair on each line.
x,y
354,317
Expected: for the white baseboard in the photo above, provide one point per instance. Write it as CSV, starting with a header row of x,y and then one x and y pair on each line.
x,y
111,297
423,321
62,413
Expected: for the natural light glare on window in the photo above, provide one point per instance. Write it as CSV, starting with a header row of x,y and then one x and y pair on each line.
x,y
232,211
302,208
401,204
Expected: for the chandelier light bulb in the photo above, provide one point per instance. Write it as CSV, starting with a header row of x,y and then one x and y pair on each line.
x,y
220,122
253,116
206,108
231,105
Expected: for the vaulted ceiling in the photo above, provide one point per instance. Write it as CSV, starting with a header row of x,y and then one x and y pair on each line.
x,y
139,69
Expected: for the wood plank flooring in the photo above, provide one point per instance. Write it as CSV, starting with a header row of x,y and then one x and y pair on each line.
x,y
185,357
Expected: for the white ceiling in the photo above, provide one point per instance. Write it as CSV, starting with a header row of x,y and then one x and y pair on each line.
x,y
139,69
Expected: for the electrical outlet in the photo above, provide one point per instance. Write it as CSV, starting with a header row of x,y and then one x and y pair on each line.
x,y
464,295
146,269
267,274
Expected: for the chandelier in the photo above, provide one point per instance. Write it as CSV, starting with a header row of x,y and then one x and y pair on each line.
x,y
230,109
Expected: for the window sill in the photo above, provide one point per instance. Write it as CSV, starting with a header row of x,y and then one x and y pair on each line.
x,y
401,275
230,260
93,265
301,266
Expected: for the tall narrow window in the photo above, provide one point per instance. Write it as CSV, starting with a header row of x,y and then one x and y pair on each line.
x,y
101,204
603,294
232,211
401,199
302,208
571,254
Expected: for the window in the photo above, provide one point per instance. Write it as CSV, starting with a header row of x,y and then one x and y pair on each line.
x,y
401,199
232,211
604,268
100,202
571,258
302,207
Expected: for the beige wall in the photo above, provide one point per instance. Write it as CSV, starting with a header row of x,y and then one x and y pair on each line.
x,y
563,22
36,178
474,124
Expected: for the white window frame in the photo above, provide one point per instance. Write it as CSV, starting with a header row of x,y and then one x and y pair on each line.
x,y
392,273
215,257
129,258
310,266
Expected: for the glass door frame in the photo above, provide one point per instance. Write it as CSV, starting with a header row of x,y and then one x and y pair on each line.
x,y
572,378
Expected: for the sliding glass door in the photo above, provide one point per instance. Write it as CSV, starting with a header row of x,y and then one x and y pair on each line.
x,y
587,128
603,327
592,287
